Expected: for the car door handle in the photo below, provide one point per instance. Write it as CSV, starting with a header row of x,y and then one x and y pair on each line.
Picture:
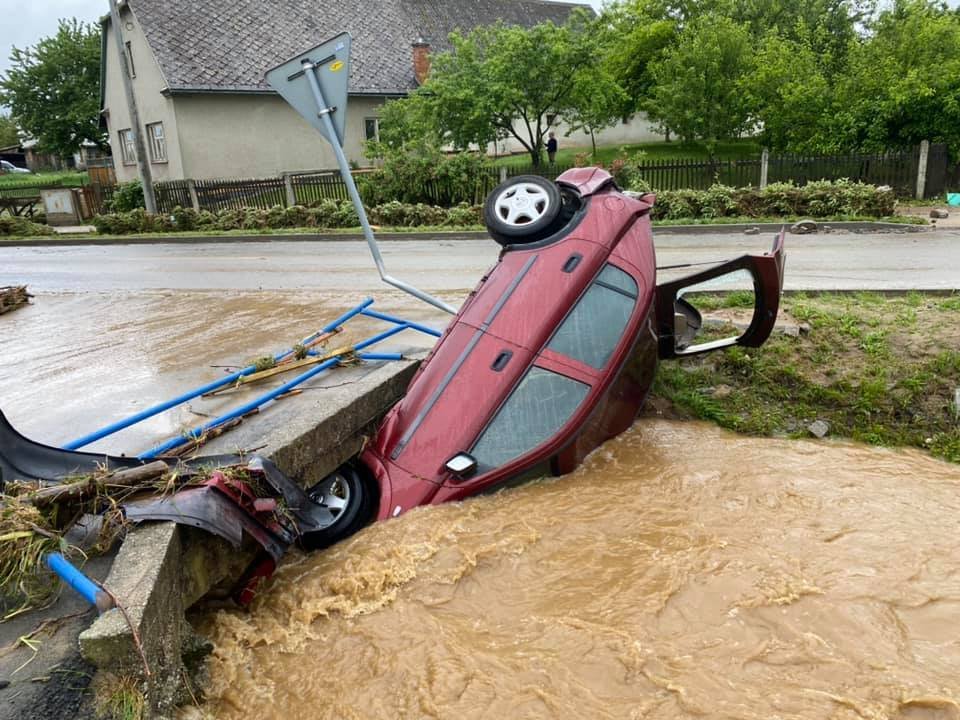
x,y
501,361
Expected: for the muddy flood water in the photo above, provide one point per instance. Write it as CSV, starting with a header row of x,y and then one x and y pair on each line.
x,y
681,572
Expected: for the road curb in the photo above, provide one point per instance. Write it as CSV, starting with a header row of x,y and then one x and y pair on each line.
x,y
738,228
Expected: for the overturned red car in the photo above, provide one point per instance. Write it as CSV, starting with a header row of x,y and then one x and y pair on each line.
x,y
551,355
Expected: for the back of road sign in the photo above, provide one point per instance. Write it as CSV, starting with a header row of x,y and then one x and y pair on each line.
x,y
332,68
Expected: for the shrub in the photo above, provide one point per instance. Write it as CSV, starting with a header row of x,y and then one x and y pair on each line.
x,y
816,200
326,214
427,177
128,196
22,227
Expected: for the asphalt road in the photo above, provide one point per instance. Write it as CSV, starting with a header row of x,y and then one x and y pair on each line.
x,y
928,260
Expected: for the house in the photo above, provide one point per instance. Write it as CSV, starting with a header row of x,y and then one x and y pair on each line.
x,y
207,112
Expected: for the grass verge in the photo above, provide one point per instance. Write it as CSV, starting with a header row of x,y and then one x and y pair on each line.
x,y
879,369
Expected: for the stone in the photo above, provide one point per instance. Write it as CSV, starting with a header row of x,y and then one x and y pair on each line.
x,y
722,391
938,214
819,429
790,330
803,227
752,231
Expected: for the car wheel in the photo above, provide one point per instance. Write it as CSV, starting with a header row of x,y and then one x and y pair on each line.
x,y
349,500
522,210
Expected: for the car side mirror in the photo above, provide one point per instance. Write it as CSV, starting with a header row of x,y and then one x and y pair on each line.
x,y
462,466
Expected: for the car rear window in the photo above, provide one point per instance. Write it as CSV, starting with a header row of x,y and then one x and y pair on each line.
x,y
591,331
540,405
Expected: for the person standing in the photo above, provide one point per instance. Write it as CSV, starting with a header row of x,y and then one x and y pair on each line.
x,y
552,147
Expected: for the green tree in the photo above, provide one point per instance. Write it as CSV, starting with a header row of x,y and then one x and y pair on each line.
x,y
902,85
697,91
597,102
52,88
9,135
502,81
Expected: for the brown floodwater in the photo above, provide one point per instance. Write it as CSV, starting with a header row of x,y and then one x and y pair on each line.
x,y
681,572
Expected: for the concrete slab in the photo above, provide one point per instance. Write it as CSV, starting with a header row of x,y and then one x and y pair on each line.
x,y
162,569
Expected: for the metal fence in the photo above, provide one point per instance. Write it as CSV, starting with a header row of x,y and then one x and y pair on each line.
x,y
897,169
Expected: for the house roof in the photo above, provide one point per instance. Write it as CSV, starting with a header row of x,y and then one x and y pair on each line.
x,y
227,45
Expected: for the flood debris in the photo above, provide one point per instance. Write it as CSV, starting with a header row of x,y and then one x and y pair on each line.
x,y
13,297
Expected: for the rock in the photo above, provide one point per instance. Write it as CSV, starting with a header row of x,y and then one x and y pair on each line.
x,y
790,330
803,227
752,231
804,328
819,429
827,229
938,214
722,391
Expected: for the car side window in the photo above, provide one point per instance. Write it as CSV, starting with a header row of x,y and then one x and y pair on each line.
x,y
540,405
592,330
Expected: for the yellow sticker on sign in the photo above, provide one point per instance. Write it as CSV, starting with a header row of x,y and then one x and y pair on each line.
x,y
336,66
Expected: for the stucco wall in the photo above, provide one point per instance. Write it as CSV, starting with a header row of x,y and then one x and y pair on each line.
x,y
244,136
151,104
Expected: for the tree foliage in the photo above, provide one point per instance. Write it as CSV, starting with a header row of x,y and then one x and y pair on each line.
x,y
697,82
9,135
52,88
503,81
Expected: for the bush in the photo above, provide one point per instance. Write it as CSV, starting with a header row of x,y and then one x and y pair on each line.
x,y
815,200
128,196
22,227
326,214
427,177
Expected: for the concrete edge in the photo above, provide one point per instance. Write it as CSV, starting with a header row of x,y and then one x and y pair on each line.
x,y
444,235
162,568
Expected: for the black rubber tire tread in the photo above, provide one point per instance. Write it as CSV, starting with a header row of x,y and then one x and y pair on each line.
x,y
518,235
354,517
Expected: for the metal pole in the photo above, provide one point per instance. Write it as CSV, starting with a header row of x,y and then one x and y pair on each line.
x,y
209,387
324,113
143,162
922,169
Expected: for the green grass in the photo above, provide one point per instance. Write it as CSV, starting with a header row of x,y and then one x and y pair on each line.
x,y
732,150
64,179
876,368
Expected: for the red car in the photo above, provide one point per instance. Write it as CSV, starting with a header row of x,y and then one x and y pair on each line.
x,y
551,355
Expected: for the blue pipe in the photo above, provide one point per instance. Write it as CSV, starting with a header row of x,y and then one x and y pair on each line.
x,y
398,321
237,412
209,387
381,356
79,582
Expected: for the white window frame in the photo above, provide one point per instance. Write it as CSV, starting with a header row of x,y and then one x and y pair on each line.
x,y
157,143
128,148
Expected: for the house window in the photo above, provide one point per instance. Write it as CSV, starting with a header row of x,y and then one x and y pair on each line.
x,y
158,144
592,330
128,150
133,70
371,127
551,120
542,404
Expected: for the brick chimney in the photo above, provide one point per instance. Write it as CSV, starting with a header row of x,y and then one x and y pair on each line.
x,y
421,60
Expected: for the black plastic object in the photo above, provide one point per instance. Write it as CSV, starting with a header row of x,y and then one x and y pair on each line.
x,y
24,459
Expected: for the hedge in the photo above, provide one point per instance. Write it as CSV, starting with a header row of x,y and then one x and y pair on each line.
x,y
327,214
22,227
814,200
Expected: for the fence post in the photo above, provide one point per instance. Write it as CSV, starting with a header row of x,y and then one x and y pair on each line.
x,y
764,167
288,185
194,198
922,168
503,173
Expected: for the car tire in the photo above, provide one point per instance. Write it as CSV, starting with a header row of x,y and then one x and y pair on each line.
x,y
522,210
346,485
